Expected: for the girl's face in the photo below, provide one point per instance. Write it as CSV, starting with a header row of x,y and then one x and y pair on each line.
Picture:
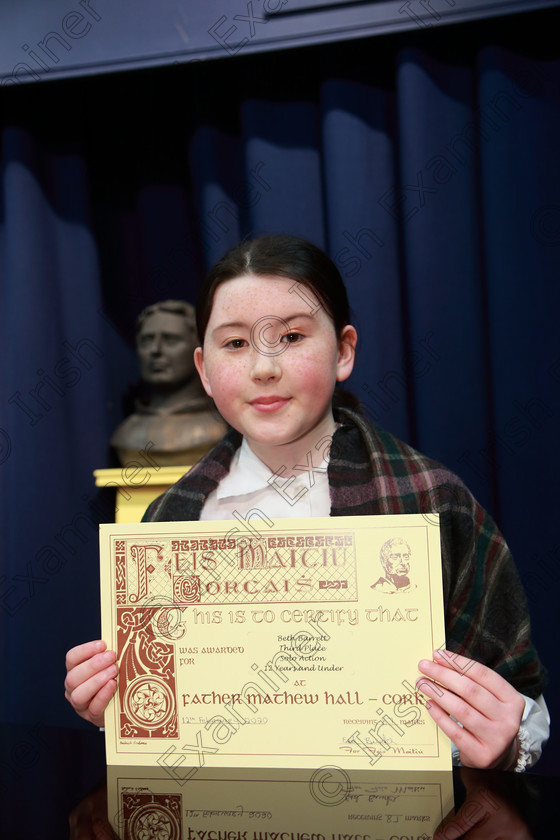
x,y
270,360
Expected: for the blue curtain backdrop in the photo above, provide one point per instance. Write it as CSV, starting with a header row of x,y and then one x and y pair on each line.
x,y
426,165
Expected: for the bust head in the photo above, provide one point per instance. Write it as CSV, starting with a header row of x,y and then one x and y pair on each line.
x,y
165,342
175,417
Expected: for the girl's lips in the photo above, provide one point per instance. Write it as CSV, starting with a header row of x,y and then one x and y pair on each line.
x,y
267,404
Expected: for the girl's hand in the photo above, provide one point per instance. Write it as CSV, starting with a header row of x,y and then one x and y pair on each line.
x,y
488,707
90,680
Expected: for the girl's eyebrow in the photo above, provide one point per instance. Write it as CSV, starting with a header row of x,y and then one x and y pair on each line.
x,y
244,324
228,325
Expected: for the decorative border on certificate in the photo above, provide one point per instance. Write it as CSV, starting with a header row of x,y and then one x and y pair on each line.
x,y
310,566
147,687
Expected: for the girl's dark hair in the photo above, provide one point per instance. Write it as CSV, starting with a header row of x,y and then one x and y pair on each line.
x,y
283,256
279,256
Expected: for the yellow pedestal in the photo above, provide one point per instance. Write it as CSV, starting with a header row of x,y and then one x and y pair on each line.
x,y
137,487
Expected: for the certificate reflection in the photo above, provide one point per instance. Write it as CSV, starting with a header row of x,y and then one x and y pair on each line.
x,y
324,804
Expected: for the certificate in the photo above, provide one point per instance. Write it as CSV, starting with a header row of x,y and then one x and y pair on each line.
x,y
292,645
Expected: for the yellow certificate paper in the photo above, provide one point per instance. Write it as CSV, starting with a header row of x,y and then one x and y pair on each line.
x,y
295,645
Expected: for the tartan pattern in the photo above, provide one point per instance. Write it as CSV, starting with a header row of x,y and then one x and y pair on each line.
x,y
372,472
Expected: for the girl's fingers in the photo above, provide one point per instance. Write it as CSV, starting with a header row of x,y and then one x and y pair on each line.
x,y
467,702
83,693
459,666
458,734
90,680
479,686
99,703
83,672
483,749
443,703
81,653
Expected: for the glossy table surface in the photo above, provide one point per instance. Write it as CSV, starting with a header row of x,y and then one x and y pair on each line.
x,y
53,784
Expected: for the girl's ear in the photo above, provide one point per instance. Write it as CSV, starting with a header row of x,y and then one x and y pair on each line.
x,y
199,364
346,352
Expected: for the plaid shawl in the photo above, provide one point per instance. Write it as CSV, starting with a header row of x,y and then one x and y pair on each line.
x,y
372,472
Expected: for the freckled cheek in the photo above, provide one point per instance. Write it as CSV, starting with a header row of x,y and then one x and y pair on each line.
x,y
225,381
314,375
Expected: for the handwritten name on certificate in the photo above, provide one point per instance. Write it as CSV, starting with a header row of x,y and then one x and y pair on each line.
x,y
295,645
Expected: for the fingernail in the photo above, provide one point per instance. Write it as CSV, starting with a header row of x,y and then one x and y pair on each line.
x,y
109,656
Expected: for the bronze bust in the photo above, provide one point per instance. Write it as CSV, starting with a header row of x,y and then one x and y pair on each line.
x,y
176,416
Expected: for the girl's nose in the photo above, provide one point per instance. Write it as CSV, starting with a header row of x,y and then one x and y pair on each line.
x,y
265,366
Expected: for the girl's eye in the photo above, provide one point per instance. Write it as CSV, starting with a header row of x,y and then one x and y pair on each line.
x,y
292,337
236,343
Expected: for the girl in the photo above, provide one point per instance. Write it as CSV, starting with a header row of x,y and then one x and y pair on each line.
x,y
274,323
